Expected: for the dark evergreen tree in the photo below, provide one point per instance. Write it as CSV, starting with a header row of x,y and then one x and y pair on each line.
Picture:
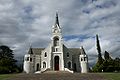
x,y
99,65
107,56
7,61
117,64
100,59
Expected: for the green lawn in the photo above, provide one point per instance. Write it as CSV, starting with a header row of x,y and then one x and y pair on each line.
x,y
108,76
111,76
6,76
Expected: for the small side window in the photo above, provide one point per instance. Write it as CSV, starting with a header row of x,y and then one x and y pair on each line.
x,y
27,59
45,55
81,59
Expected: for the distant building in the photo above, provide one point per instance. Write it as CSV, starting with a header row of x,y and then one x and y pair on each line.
x,y
56,56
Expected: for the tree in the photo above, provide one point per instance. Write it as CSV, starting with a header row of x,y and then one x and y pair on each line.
x,y
7,61
107,56
117,64
100,59
99,65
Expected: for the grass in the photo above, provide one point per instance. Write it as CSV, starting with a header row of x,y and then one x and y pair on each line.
x,y
111,76
107,76
6,76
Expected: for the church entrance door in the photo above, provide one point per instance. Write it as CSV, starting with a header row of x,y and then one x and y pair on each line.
x,y
56,63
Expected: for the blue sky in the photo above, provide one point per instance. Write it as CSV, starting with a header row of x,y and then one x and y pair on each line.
x,y
25,22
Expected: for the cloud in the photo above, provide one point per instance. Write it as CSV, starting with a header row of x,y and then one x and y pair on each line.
x,y
25,22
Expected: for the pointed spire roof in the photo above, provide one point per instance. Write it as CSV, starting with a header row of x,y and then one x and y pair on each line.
x,y
82,50
56,19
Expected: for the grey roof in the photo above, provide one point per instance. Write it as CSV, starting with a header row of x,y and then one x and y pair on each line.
x,y
36,51
75,51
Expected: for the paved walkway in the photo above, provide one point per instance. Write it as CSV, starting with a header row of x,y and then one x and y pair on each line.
x,y
58,76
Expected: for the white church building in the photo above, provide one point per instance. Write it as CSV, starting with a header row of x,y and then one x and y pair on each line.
x,y
56,56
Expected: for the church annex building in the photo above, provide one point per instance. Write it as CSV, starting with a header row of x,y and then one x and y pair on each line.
x,y
56,56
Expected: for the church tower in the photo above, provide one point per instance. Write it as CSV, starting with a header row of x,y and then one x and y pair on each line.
x,y
83,61
56,35
57,46
28,62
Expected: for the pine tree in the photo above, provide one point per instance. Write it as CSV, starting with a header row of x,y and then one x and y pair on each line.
x,y
100,59
107,56
7,61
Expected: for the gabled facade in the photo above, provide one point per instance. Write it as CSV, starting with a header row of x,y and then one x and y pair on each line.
x,y
56,56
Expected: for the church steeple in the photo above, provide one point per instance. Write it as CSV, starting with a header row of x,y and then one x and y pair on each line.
x,y
57,20
56,27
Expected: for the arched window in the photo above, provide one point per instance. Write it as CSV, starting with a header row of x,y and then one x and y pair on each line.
x,y
44,64
45,55
81,59
69,64
56,41
67,54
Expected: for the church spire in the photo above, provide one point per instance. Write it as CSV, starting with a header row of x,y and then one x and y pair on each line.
x,y
56,27
57,20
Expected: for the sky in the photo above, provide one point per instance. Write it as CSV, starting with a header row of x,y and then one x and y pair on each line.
x,y
29,22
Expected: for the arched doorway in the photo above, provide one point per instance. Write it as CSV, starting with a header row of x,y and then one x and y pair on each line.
x,y
56,63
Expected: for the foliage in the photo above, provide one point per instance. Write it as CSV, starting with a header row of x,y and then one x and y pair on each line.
x,y
7,61
108,65
98,67
100,59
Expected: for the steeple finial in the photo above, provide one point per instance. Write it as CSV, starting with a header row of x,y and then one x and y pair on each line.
x,y
57,20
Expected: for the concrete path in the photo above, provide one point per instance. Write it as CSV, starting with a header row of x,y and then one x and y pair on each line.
x,y
58,76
